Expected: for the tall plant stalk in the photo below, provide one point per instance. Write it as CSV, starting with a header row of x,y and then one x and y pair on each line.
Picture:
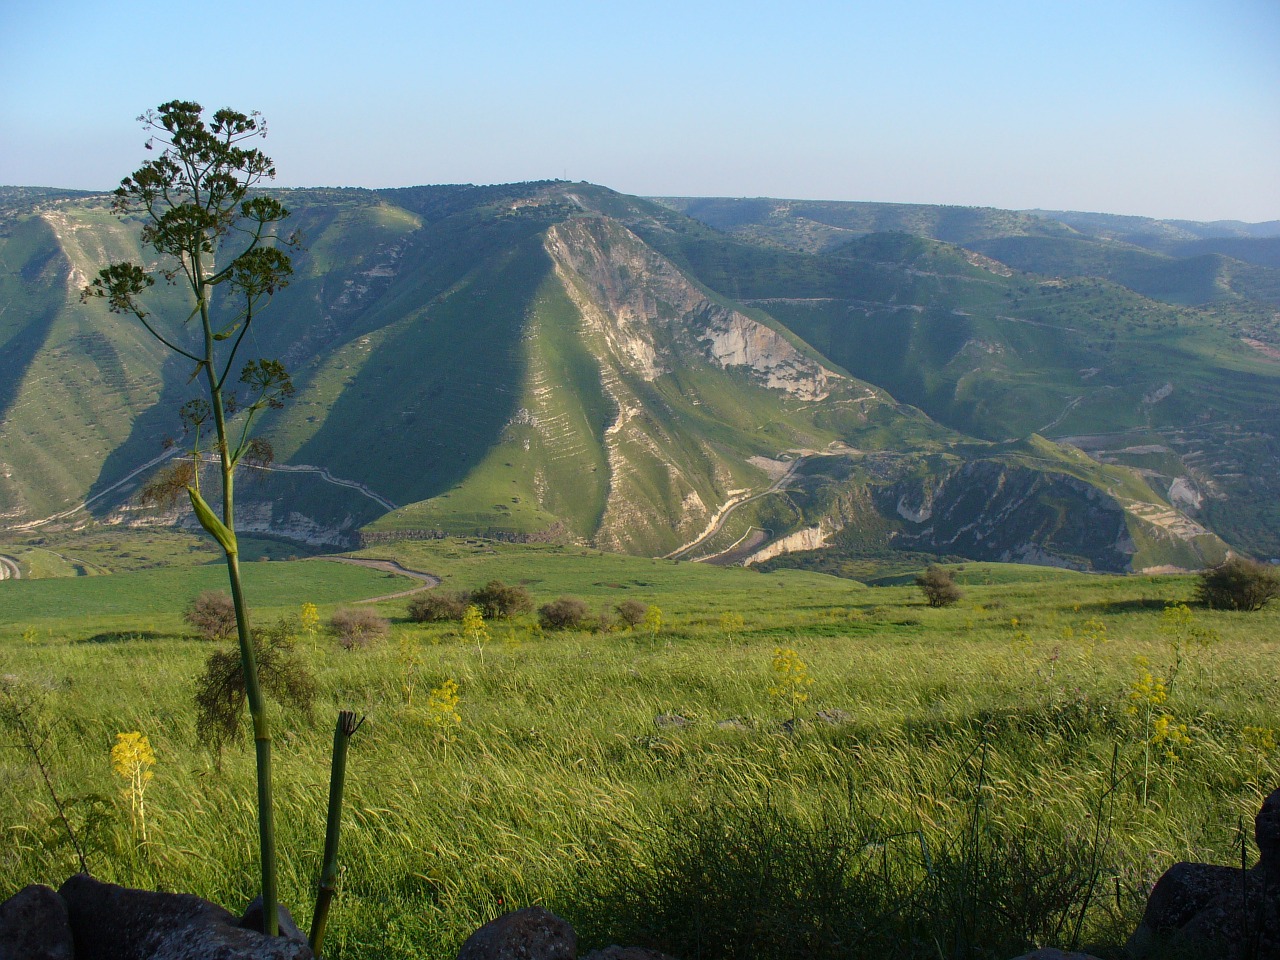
x,y
210,233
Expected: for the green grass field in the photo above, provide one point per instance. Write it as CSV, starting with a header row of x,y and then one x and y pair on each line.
x,y
968,781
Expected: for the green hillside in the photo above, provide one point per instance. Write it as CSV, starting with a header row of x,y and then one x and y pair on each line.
x,y
557,361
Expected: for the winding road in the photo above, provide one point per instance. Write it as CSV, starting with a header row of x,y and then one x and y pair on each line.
x,y
389,566
9,569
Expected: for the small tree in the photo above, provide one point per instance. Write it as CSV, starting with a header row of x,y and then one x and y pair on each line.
x,y
434,607
1239,584
220,690
210,236
938,585
631,612
358,627
497,601
563,613
212,614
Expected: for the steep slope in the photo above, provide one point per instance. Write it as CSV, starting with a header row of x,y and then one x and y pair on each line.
x,y
560,361
71,385
997,354
636,402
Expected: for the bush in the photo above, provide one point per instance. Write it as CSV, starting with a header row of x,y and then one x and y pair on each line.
x,y
220,692
938,586
631,612
436,607
212,615
1239,584
358,627
497,601
564,613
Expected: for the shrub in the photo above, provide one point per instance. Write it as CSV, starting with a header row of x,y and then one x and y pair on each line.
x,y
938,586
497,601
436,607
1239,584
631,612
220,693
564,613
358,627
212,615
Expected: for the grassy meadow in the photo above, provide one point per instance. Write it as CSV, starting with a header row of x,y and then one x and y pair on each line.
x,y
970,781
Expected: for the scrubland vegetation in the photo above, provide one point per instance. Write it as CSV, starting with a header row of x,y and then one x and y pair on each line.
x,y
776,765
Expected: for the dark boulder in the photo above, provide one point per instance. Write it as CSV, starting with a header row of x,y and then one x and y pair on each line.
x,y
531,933
117,923
626,953
34,926
1202,910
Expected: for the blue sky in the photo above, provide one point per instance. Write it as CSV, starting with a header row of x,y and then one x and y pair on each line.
x,y
1165,108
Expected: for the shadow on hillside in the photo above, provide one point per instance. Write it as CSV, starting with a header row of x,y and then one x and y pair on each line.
x,y
125,636
1125,606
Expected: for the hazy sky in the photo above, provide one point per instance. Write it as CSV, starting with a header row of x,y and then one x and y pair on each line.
x,y
1164,108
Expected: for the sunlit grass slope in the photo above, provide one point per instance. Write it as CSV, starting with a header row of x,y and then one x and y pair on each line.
x,y
647,785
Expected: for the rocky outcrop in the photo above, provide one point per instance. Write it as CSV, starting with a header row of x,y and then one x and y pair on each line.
x,y
996,511
532,933
87,919
650,313
1227,913
34,926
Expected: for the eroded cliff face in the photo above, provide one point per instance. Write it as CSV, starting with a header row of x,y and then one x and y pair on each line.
x,y
991,510
655,316
642,318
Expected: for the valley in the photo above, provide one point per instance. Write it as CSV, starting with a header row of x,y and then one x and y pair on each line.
x,y
558,362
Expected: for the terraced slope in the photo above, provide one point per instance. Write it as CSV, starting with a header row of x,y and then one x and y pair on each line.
x,y
559,361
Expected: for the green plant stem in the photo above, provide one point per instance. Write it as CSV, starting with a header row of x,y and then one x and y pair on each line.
x,y
248,659
346,727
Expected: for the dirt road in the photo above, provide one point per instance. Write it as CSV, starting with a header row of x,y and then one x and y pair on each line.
x,y
389,566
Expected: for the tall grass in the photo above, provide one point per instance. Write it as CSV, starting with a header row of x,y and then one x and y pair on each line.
x,y
964,782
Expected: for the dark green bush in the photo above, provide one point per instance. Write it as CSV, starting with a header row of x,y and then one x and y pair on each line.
x,y
564,613
212,615
220,692
1239,584
631,612
436,607
938,585
497,601
358,627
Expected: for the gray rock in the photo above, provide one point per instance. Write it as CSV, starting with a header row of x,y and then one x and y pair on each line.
x,y
531,933
116,923
1202,910
34,926
834,717
626,953
668,720
253,916
1266,832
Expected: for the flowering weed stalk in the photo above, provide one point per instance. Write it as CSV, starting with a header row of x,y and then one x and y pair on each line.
x,y
791,680
309,620
1148,694
442,710
409,653
132,758
474,629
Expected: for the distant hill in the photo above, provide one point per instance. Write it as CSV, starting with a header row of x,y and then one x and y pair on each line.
x,y
558,361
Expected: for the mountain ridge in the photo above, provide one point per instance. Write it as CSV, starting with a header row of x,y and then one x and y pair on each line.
x,y
556,360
